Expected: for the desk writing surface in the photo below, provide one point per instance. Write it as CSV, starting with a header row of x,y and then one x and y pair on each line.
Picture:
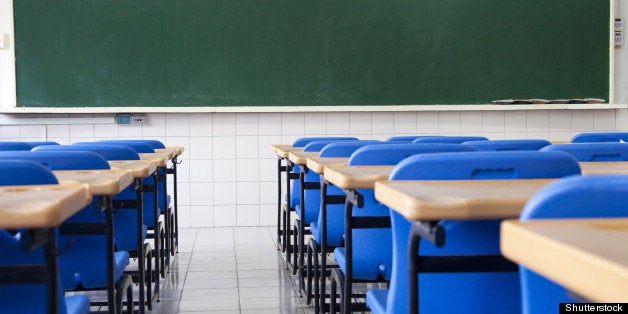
x,y
167,152
172,151
586,256
282,150
300,157
139,168
161,159
176,150
318,164
100,182
356,177
611,167
458,199
41,206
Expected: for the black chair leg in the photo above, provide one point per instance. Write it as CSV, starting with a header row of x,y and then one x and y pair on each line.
x,y
337,284
310,269
123,286
295,248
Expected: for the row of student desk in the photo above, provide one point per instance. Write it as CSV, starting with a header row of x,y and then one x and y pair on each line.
x,y
422,201
24,207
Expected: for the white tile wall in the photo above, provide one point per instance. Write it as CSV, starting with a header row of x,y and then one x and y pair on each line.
x,y
228,174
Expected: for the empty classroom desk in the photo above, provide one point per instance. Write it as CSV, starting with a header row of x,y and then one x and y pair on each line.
x,y
586,256
427,202
41,208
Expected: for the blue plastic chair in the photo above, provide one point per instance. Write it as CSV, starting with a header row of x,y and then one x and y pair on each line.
x,y
593,151
600,137
576,197
502,145
372,247
448,139
31,297
14,146
462,292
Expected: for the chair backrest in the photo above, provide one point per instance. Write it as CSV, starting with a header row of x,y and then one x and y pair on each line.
x,y
409,138
155,144
574,197
392,154
60,160
317,146
109,152
487,165
40,143
469,292
301,142
593,151
14,146
500,145
137,146
24,172
449,139
600,137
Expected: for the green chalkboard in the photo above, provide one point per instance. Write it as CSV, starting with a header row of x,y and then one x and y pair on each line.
x,y
174,53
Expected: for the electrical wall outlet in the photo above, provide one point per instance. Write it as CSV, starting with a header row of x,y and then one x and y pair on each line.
x,y
619,38
138,120
618,24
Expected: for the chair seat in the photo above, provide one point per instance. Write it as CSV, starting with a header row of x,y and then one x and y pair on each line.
x,y
366,267
376,300
77,304
120,261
